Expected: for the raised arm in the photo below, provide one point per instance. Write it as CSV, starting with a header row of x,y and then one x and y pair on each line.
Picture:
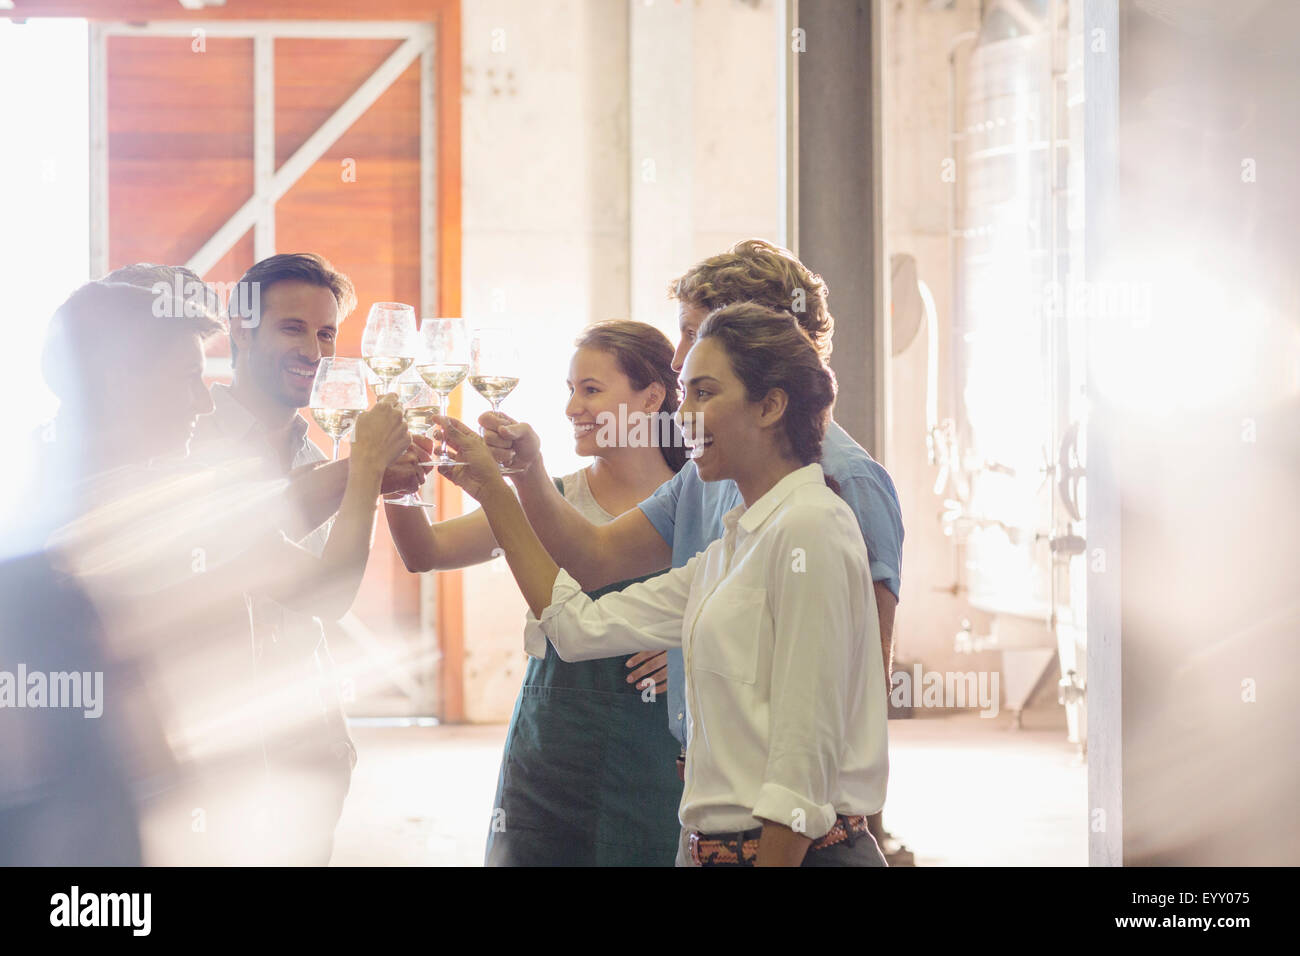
x,y
479,476
328,585
162,559
595,555
643,616
442,545
316,490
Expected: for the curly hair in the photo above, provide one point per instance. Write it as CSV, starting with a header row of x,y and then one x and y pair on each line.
x,y
754,270
644,355
769,350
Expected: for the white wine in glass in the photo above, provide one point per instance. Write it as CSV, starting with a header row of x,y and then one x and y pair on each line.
x,y
388,367
389,342
494,369
494,388
338,396
336,422
444,363
419,405
442,377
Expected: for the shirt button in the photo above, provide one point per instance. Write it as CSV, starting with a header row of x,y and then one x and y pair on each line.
x,y
680,716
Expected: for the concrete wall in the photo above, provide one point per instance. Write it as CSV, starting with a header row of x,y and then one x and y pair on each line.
x,y
551,95
737,56
563,228
545,203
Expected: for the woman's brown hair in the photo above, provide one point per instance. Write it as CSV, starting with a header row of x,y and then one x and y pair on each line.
x,y
644,355
768,350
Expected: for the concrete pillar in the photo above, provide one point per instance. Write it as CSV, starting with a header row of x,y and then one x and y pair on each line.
x,y
838,219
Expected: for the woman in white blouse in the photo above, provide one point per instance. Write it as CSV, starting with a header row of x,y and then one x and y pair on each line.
x,y
786,719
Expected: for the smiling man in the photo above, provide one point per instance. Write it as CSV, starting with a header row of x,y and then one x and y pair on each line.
x,y
285,314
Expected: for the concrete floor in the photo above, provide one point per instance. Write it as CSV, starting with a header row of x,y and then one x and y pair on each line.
x,y
963,791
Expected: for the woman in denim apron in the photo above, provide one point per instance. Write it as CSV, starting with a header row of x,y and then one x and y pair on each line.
x,y
588,774
588,777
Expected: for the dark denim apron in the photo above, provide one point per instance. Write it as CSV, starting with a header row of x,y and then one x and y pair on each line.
x,y
588,775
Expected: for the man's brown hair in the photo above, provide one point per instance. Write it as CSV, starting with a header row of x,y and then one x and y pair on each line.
x,y
754,270
289,266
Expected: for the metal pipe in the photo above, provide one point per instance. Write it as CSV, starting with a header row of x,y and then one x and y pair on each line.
x,y
954,139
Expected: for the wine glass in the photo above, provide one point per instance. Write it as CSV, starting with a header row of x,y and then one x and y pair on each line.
x,y
494,369
444,363
338,396
389,342
419,406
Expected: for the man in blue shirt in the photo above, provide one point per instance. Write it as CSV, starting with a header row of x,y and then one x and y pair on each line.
x,y
685,514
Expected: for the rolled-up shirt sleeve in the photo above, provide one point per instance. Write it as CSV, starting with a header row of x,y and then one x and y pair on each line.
x,y
643,616
874,501
821,612
661,507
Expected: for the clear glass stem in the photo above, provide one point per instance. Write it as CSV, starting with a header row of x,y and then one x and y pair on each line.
x,y
496,410
505,469
444,399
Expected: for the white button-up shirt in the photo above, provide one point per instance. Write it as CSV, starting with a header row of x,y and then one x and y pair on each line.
x,y
786,698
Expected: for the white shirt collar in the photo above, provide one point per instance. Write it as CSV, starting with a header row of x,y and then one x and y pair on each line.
x,y
751,518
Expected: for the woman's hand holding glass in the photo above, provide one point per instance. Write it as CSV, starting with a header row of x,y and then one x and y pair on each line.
x,y
419,405
494,370
476,471
513,443
444,360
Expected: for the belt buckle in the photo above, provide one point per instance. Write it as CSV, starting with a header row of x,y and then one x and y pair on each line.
x,y
693,841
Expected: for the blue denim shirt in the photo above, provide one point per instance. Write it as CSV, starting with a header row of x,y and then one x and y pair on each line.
x,y
688,511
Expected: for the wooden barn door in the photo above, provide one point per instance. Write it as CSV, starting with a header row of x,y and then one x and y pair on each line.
x,y
223,135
